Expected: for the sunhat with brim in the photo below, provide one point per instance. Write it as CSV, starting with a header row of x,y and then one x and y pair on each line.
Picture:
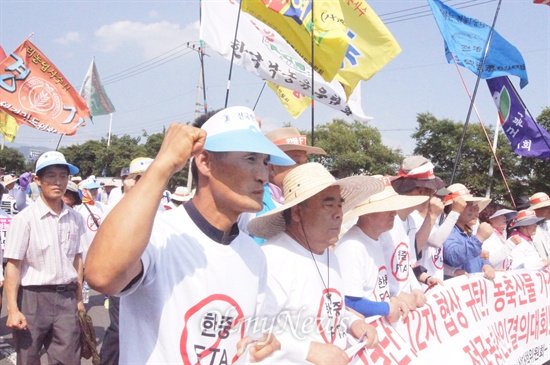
x,y
539,200
416,172
90,185
111,183
459,190
8,179
305,181
73,189
235,129
125,171
139,165
76,179
386,201
508,213
181,194
290,139
526,217
54,158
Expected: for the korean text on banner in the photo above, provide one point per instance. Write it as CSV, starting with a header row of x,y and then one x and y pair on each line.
x,y
293,101
526,136
94,94
466,39
295,23
36,93
263,52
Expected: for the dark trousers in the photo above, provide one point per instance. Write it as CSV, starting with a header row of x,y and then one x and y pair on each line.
x,y
110,348
52,323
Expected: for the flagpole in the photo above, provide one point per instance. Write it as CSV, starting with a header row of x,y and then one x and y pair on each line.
x,y
59,142
491,164
312,73
259,95
233,55
110,128
472,99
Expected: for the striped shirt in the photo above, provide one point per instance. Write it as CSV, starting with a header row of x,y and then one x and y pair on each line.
x,y
46,243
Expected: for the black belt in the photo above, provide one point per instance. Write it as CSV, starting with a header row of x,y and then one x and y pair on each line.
x,y
52,288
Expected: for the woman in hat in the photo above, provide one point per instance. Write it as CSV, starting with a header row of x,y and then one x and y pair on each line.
x,y
525,255
497,246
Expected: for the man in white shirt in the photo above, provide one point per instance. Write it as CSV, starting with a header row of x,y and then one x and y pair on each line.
x,y
540,203
187,277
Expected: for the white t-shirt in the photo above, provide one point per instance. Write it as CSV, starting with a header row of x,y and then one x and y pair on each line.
x,y
432,257
541,240
192,296
365,273
500,251
525,256
396,247
100,212
115,196
298,299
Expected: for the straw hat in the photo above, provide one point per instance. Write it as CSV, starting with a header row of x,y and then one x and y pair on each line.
x,y
508,213
386,201
8,179
417,171
459,190
526,217
73,188
290,139
181,194
539,200
303,182
110,182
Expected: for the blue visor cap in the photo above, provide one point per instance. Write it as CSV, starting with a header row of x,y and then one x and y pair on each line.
x,y
235,129
91,185
54,158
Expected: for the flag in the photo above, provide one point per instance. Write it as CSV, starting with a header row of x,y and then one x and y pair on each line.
x,y
36,93
294,24
466,39
94,94
2,54
527,137
8,127
547,2
370,45
263,52
293,101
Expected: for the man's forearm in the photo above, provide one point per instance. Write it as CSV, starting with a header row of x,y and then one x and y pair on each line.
x,y
11,284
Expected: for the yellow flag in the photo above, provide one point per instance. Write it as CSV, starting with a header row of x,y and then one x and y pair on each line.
x,y
293,23
293,101
371,46
8,126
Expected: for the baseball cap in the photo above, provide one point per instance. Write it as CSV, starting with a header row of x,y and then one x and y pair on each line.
x,y
125,171
235,129
139,165
54,158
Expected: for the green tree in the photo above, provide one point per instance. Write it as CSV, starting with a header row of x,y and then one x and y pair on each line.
x,y
12,160
355,148
438,141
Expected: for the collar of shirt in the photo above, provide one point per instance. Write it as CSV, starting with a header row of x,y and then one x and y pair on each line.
x,y
44,209
212,232
518,233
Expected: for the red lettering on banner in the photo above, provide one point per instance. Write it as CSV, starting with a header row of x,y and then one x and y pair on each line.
x,y
449,303
529,287
482,350
388,351
512,324
501,336
478,298
498,295
422,332
544,277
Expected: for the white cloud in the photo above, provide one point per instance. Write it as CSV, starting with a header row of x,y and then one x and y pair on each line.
x,y
68,38
151,39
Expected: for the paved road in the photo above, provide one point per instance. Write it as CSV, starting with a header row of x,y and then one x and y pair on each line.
x,y
96,310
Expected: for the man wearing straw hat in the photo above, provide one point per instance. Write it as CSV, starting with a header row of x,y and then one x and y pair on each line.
x,y
294,144
525,228
304,280
365,272
187,277
540,203
462,249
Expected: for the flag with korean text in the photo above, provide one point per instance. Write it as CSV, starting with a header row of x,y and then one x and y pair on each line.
x,y
526,136
369,44
294,102
94,94
547,2
35,92
263,52
466,40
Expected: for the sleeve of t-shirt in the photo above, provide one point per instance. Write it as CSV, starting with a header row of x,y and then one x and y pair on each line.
x,y
367,307
441,233
351,256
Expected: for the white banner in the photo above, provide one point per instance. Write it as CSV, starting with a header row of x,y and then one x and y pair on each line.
x,y
472,321
262,51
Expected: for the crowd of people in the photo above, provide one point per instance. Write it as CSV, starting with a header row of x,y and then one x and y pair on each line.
x,y
270,258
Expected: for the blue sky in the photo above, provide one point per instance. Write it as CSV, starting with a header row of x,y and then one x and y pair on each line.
x,y
126,37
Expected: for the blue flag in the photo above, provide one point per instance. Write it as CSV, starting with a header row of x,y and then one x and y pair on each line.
x,y
527,137
466,39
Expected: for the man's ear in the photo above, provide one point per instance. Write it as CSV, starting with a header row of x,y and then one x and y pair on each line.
x,y
203,161
296,213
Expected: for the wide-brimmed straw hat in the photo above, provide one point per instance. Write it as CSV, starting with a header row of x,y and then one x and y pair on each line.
x,y
526,217
305,181
508,213
8,179
459,190
416,172
386,201
539,200
181,194
290,139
